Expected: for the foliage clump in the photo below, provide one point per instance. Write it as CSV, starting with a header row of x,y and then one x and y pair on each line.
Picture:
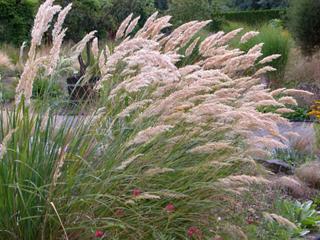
x,y
16,18
304,23
188,10
103,16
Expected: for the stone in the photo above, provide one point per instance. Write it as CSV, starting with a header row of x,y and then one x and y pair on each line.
x,y
278,166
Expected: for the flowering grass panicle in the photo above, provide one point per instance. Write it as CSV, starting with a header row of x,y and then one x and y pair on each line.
x,y
175,127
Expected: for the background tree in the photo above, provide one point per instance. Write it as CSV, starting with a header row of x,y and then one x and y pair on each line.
x,y
161,4
304,23
187,10
16,18
256,4
102,15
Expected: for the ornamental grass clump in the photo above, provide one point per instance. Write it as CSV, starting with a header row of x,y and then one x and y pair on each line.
x,y
165,151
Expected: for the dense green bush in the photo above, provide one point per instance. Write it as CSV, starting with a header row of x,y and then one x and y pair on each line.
x,y
103,16
255,4
254,17
161,4
16,18
188,10
304,23
276,40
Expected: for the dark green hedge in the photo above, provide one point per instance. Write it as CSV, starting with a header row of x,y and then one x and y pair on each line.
x,y
304,24
254,17
16,19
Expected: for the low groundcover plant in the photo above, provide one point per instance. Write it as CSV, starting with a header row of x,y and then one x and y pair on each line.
x,y
166,150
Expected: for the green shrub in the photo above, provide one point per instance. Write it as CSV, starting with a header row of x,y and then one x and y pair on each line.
x,y
276,41
255,4
16,18
303,215
103,16
188,10
254,17
304,23
300,114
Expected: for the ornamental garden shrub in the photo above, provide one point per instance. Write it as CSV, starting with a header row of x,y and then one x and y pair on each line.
x,y
304,23
16,18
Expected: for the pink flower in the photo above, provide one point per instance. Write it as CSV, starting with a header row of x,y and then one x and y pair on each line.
x,y
170,208
194,232
99,234
136,192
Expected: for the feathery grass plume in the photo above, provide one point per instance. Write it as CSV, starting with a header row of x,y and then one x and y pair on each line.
x,y
133,107
183,34
54,55
157,171
132,26
192,46
147,196
21,53
121,30
284,110
280,220
241,180
228,37
292,186
95,48
265,70
78,48
149,133
248,36
288,101
5,140
61,18
298,92
235,232
41,25
126,163
5,61
212,147
267,143
277,92
270,58
147,24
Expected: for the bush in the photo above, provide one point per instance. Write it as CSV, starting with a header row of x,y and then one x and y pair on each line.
x,y
256,4
188,10
103,16
16,19
254,17
304,23
276,40
161,4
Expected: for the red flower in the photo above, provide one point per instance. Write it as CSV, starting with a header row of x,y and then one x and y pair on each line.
x,y
170,208
119,212
99,234
136,192
194,232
